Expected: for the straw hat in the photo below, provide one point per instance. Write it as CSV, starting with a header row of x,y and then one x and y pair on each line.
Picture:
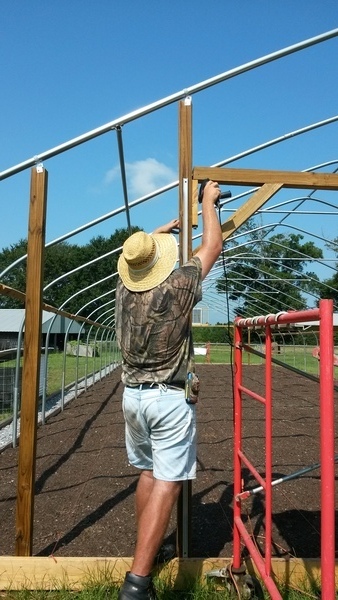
x,y
147,260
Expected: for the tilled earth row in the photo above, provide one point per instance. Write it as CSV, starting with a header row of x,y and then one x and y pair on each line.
x,y
84,502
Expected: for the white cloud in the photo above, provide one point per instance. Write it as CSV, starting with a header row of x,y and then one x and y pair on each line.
x,y
111,175
143,176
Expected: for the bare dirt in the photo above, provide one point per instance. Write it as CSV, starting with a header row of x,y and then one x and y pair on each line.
x,y
84,503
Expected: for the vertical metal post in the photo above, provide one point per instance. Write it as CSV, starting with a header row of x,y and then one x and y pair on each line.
x,y
268,448
185,252
31,362
249,344
123,175
327,456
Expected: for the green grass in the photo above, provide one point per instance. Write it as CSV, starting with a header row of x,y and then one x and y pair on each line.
x,y
299,357
75,369
106,590
56,365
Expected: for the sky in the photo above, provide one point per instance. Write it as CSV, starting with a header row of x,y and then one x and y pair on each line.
x,y
69,67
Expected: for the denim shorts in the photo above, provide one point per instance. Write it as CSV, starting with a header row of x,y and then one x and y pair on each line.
x,y
160,431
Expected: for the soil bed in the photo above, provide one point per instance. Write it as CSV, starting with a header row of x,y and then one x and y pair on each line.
x,y
84,503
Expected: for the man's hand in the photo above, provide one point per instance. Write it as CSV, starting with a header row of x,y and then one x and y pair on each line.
x,y
211,192
168,227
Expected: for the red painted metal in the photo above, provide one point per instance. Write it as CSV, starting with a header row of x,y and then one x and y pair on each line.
x,y
327,450
237,445
324,314
268,449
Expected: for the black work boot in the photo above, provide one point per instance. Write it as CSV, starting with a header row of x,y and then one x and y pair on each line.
x,y
136,587
166,553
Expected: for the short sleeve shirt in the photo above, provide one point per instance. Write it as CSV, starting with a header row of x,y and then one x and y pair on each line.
x,y
153,327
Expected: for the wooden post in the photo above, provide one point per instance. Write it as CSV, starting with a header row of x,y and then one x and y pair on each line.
x,y
31,362
185,180
185,252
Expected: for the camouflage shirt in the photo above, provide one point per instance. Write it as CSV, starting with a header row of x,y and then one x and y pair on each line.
x,y
153,327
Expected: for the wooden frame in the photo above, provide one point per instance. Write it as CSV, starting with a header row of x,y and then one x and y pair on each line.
x,y
31,362
270,181
24,571
74,573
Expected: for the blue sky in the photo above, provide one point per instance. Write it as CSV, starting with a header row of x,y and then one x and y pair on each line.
x,y
71,66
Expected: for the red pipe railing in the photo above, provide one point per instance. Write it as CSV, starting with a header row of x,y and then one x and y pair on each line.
x,y
327,454
324,314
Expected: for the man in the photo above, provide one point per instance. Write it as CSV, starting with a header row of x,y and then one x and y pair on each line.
x,y
154,302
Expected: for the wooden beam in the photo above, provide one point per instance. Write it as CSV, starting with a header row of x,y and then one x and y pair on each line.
x,y
13,293
5,290
257,177
244,212
31,362
75,573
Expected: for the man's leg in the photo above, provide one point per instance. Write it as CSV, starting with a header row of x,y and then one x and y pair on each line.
x,y
143,491
154,507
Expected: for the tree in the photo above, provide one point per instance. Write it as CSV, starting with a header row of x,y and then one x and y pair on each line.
x,y
16,276
329,287
267,274
65,274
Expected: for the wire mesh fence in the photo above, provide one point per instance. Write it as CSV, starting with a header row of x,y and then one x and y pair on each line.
x,y
63,375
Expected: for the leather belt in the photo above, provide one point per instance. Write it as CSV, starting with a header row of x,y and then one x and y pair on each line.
x,y
153,385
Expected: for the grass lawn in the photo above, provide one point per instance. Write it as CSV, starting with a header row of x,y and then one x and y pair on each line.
x,y
207,590
71,369
299,357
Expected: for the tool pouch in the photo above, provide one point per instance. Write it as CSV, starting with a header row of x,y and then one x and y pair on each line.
x,y
192,387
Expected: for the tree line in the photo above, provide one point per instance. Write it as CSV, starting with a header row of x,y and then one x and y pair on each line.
x,y
61,266
263,275
271,274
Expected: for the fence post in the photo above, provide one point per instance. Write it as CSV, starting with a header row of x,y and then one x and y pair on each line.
x,y
31,362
